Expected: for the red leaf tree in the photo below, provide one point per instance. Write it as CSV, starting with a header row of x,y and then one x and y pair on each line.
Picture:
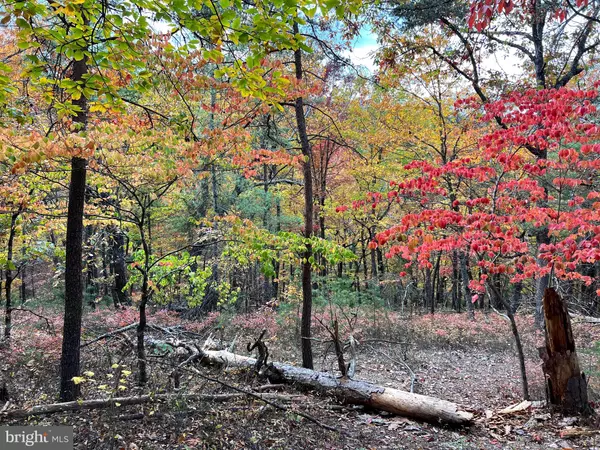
x,y
510,195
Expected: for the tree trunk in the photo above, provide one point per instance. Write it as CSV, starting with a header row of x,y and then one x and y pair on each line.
x,y
407,404
145,295
69,366
118,268
464,272
23,274
428,300
516,297
69,362
566,384
515,331
520,354
141,328
9,274
540,289
305,332
455,293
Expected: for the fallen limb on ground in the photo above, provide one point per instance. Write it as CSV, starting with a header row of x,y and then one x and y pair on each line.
x,y
128,401
577,432
399,402
523,406
584,319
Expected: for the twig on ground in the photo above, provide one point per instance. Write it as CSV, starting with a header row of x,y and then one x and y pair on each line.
x,y
267,387
412,374
260,397
110,334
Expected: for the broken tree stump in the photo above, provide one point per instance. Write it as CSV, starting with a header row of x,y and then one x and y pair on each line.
x,y
565,383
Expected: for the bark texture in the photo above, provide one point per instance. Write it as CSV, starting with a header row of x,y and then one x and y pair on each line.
x,y
566,384
399,402
69,362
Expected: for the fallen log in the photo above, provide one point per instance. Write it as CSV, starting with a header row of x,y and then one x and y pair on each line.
x,y
399,402
115,402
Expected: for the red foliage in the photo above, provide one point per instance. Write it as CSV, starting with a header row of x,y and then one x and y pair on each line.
x,y
482,12
539,170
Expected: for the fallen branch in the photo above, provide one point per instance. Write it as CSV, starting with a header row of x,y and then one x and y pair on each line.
x,y
110,334
177,329
262,397
584,319
48,323
128,401
577,432
268,387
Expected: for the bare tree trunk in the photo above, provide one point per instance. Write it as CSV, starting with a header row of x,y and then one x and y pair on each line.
x,y
516,336
70,363
455,275
9,273
73,282
118,267
23,274
305,333
428,297
465,282
141,350
516,297
145,295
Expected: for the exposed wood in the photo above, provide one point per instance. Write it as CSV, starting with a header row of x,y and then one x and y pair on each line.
x,y
269,387
407,404
570,433
523,406
566,384
128,401
584,319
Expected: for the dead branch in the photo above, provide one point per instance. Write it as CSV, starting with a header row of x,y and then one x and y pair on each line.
x,y
412,374
116,402
268,387
110,334
263,352
48,323
261,397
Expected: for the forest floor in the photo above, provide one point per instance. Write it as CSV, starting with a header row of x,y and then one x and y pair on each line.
x,y
470,363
